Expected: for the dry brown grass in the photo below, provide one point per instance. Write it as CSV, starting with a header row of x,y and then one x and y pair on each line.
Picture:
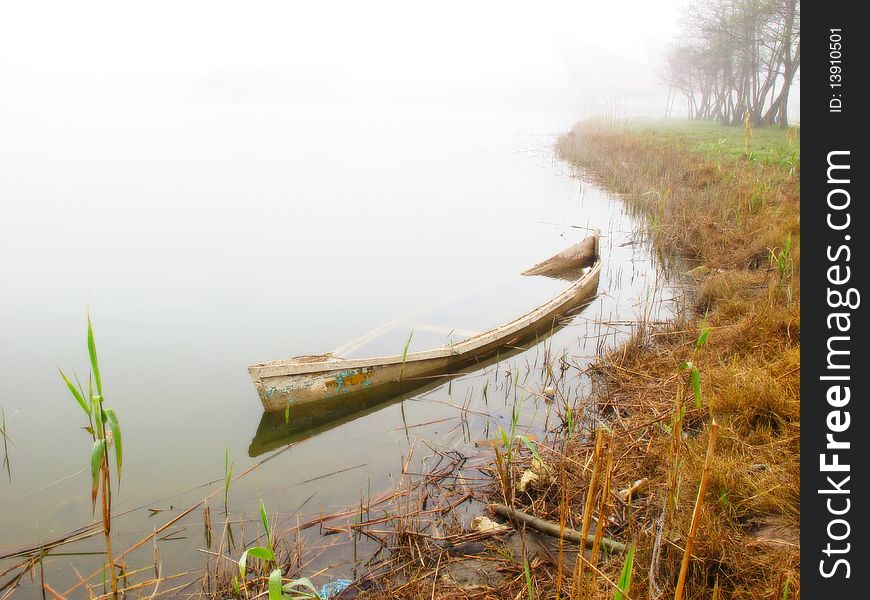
x,y
731,211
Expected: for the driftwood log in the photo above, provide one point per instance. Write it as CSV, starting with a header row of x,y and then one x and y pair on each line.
x,y
571,535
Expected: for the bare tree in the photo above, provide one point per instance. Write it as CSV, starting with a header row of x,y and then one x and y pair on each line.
x,y
736,60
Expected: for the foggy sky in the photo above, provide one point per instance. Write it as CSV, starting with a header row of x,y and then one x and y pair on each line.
x,y
507,54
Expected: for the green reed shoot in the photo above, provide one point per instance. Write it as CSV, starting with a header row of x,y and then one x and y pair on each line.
x,y
506,460
276,588
228,478
529,587
623,586
105,431
292,588
508,438
785,587
405,353
691,366
530,445
5,436
265,553
694,380
569,420
781,258
702,339
275,585
206,523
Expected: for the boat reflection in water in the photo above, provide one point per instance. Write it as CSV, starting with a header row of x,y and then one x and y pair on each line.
x,y
307,420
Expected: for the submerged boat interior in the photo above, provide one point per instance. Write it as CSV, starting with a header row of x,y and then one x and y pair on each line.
x,y
441,339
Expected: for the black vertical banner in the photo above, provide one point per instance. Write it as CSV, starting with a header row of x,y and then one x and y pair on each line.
x,y
835,421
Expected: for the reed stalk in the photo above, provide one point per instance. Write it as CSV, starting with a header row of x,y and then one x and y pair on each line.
x,y
603,508
563,517
587,508
105,431
696,513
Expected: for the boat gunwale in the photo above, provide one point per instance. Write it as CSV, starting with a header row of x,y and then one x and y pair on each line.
x,y
287,367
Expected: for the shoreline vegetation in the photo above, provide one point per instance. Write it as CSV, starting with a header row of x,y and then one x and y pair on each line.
x,y
696,469
728,199
678,475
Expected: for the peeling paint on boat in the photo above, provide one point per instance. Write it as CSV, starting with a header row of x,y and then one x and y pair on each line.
x,y
349,378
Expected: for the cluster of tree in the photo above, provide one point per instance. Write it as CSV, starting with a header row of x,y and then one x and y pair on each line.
x,y
736,60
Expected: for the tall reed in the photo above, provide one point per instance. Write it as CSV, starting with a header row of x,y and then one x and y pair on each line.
x,y
696,513
587,508
105,432
5,437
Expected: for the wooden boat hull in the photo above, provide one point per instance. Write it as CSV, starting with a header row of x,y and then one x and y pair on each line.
x,y
307,420
305,380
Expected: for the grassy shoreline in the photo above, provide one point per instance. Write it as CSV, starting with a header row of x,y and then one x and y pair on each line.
x,y
729,199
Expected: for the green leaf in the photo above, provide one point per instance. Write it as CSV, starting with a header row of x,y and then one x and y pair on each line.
x,y
96,462
243,564
94,401
696,386
116,438
702,338
92,352
261,553
530,446
275,585
405,353
302,582
265,520
228,470
623,586
529,587
504,438
76,393
79,385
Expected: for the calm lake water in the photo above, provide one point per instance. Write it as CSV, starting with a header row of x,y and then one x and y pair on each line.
x,y
205,237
